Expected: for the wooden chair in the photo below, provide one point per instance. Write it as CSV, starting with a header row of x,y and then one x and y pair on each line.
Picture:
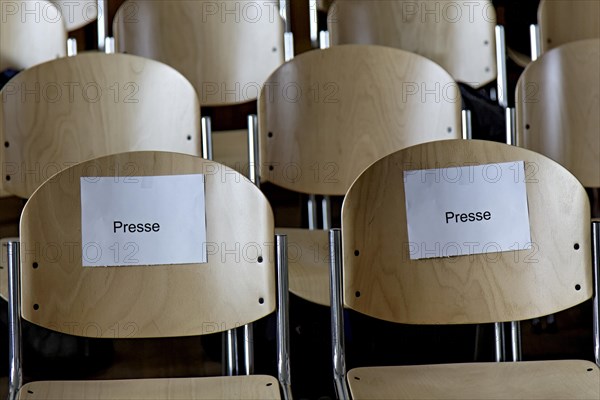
x,y
226,50
563,21
150,301
328,114
557,108
77,15
77,108
31,33
227,53
373,274
458,36
73,109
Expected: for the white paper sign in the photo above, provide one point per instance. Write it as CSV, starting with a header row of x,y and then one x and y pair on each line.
x,y
145,220
467,210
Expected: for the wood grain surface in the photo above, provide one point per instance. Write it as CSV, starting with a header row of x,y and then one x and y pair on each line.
x,y
77,14
28,39
557,103
564,21
234,387
458,35
74,109
542,380
226,49
328,114
234,288
381,280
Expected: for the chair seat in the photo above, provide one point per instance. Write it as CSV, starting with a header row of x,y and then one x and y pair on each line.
x,y
236,387
308,257
565,379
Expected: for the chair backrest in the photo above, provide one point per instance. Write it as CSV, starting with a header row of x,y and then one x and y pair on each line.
x,y
31,32
74,109
459,36
327,114
77,14
382,281
564,21
236,286
226,49
557,103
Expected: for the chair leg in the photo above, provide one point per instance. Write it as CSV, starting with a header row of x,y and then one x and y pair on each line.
x,y
283,323
596,298
15,374
337,314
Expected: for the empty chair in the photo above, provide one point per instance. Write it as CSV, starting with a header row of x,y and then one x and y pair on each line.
x,y
557,102
77,14
132,299
227,50
380,270
73,109
562,21
77,108
328,114
459,36
31,32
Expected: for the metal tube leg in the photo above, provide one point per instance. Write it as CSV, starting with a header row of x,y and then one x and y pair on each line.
x,y
230,362
206,132
249,349
253,152
337,314
596,298
326,210
71,47
324,42
467,127
283,339
511,128
499,336
535,41
501,67
312,212
515,339
102,23
15,375
314,28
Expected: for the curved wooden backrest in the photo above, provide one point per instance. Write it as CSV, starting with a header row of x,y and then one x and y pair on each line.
x,y
557,103
31,32
508,286
77,14
564,21
328,114
74,109
226,49
459,36
231,290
